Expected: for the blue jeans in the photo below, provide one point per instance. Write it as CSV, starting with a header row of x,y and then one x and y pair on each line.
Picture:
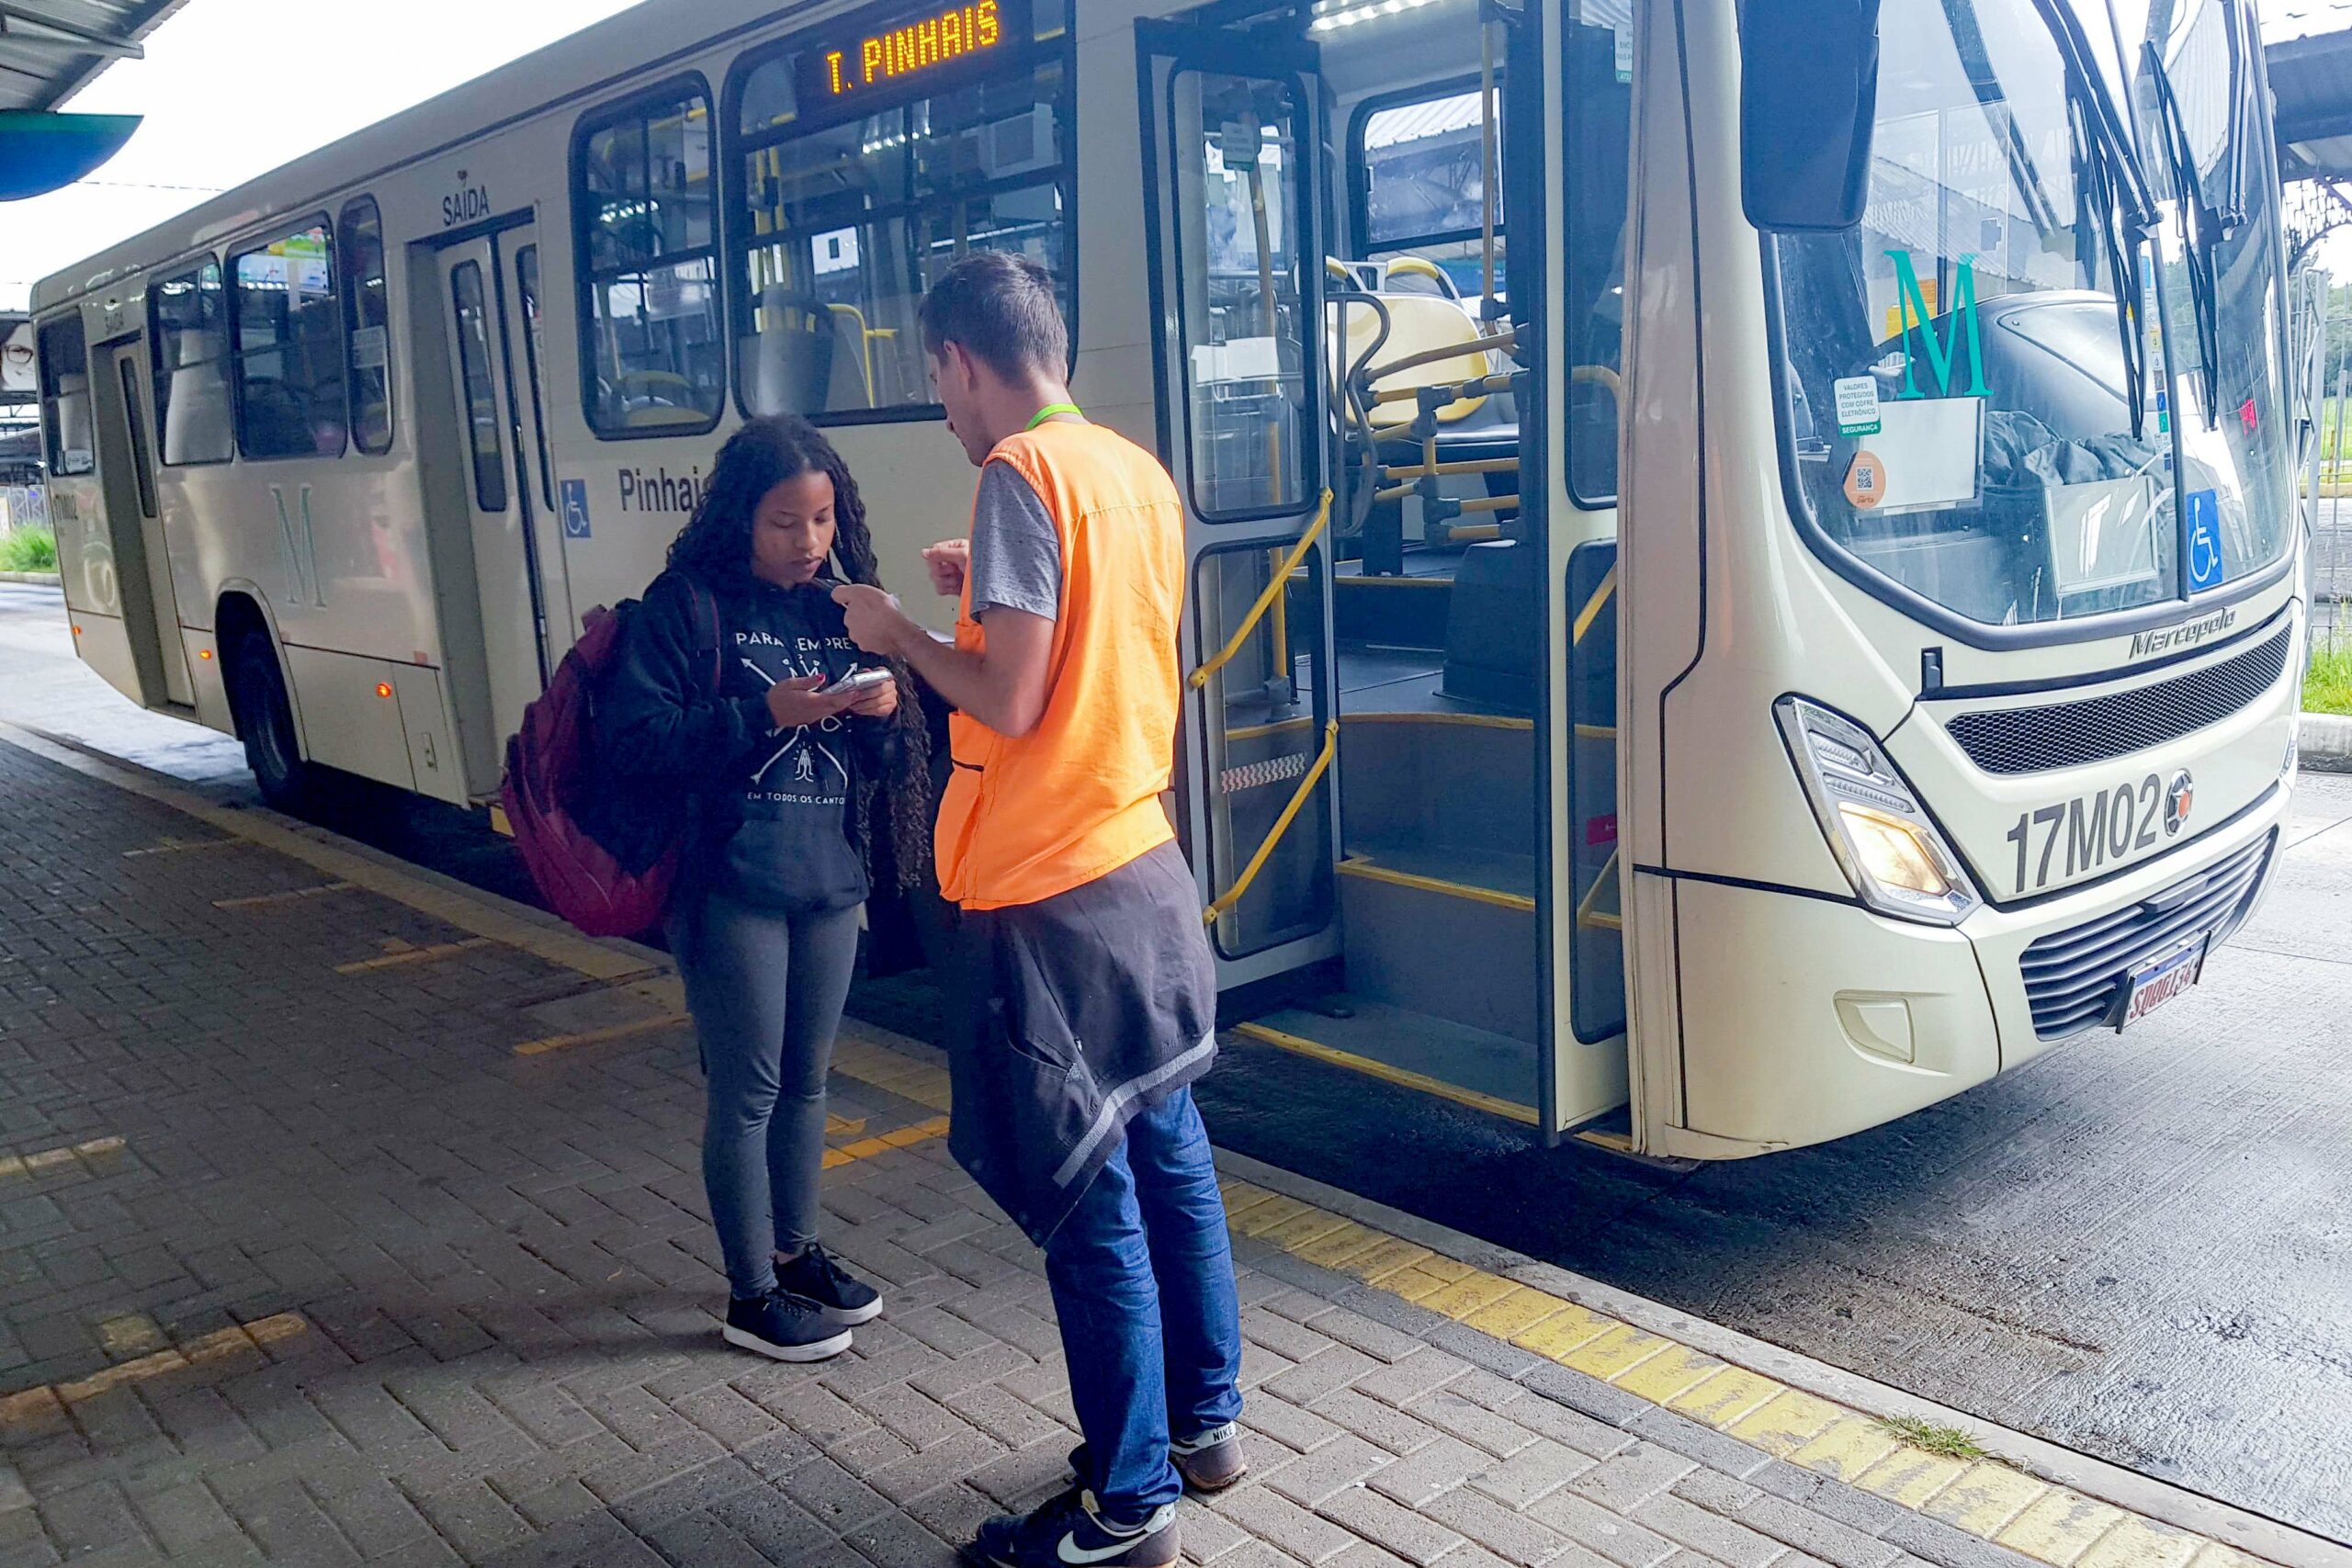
x,y
1142,1275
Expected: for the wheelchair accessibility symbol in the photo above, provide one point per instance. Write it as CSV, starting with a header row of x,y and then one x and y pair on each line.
x,y
2204,540
575,509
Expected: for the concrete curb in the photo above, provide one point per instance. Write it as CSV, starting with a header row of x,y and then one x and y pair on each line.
x,y
36,579
2324,743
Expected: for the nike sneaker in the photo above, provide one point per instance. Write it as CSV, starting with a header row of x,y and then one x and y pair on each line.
x,y
1069,1531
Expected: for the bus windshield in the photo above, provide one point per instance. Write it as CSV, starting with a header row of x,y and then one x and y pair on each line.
x,y
1978,412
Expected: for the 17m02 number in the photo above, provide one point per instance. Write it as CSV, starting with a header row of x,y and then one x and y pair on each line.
x,y
2091,830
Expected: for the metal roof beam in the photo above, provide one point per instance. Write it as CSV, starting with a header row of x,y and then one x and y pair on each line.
x,y
68,38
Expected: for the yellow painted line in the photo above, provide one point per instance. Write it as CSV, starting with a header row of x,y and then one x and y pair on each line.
x,y
168,845
1786,1422
98,1155
1515,1312
1912,1476
1985,1497
2061,1528
409,956
1359,866
289,895
1724,1397
1617,1352
1401,1077
842,1127
886,1069
599,1036
1672,1372
130,1335
1471,1294
2143,1543
1848,1446
49,1401
1468,720
904,1137
1564,1333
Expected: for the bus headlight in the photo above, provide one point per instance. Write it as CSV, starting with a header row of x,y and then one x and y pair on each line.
x,y
1886,844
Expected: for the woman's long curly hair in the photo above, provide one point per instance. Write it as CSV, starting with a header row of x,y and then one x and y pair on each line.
x,y
715,545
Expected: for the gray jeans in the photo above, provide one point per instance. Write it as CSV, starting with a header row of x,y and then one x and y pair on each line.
x,y
766,990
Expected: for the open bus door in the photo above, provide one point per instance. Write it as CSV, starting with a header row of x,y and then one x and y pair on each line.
x,y
1232,133
126,457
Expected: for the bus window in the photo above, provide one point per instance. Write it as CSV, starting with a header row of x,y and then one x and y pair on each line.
x,y
368,316
847,219
482,394
188,330
1239,226
526,274
653,354
1600,108
289,347
65,397
1418,180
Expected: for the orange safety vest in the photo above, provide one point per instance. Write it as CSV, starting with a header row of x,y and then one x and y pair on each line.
x,y
1077,796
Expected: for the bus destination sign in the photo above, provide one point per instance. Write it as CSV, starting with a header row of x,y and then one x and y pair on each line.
x,y
904,54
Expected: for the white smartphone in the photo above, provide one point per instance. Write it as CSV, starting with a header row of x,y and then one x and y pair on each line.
x,y
856,681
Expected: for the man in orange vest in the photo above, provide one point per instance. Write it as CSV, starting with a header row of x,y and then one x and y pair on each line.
x,y
1086,969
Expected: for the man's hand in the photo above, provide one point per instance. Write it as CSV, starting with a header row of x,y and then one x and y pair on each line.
x,y
949,560
874,621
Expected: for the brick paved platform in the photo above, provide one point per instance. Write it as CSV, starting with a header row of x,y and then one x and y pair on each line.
x,y
334,1231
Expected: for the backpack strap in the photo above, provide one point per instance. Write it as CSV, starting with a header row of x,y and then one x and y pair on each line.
x,y
707,602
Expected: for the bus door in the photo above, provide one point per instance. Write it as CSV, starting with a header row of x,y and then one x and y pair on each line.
x,y
127,481
1231,126
490,310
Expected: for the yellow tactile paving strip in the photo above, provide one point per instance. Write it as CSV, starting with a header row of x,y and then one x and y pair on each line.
x,y
97,1157
2048,1523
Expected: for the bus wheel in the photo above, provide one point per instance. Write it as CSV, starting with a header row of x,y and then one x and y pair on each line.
x,y
265,724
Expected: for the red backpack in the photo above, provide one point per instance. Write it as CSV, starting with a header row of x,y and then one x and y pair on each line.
x,y
552,782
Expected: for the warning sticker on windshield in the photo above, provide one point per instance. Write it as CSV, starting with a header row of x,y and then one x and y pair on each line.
x,y
1857,405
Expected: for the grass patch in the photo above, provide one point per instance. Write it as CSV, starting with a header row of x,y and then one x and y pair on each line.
x,y
2327,684
32,548
1948,1441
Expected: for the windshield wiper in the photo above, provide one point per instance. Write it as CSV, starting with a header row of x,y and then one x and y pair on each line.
x,y
2202,230
2121,236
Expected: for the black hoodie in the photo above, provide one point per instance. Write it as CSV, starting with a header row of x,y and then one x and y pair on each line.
x,y
772,808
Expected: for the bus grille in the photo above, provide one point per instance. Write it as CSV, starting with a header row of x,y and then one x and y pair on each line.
x,y
2075,979
2066,735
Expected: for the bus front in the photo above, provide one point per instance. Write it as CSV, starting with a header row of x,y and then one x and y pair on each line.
x,y
1998,605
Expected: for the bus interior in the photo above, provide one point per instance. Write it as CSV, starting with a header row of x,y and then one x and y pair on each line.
x,y
1423,697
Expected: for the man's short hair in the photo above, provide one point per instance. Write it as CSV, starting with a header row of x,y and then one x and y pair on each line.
x,y
1001,309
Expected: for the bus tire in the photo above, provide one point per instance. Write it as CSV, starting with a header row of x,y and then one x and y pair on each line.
x,y
266,725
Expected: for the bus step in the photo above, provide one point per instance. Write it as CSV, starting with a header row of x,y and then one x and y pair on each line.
x,y
1492,1073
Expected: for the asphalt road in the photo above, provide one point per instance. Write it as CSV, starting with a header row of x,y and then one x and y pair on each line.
x,y
2137,1245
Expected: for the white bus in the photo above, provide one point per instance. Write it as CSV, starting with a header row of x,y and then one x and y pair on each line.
x,y
1808,612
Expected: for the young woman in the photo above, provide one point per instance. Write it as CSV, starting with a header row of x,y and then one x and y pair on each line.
x,y
791,785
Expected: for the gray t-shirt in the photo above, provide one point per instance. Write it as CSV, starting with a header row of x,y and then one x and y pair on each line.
x,y
1016,551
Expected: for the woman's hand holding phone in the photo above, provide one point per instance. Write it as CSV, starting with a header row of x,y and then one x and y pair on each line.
x,y
879,700
800,701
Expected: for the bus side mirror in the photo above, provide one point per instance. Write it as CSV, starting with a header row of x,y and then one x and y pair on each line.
x,y
1808,103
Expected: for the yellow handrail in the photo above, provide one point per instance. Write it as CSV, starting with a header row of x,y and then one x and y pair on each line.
x,y
1223,904
1224,656
1591,610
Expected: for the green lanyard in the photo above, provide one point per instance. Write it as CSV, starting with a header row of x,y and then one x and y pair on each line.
x,y
1049,411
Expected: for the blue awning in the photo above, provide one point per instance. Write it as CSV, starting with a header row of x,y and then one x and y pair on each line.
x,y
39,153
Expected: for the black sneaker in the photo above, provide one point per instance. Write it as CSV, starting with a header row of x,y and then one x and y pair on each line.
x,y
814,1275
1068,1532
1210,1462
785,1328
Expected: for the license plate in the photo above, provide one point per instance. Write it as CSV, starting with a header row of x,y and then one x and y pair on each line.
x,y
2155,984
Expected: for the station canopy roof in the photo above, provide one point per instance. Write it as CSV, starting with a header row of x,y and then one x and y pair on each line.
x,y
50,50
2308,45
